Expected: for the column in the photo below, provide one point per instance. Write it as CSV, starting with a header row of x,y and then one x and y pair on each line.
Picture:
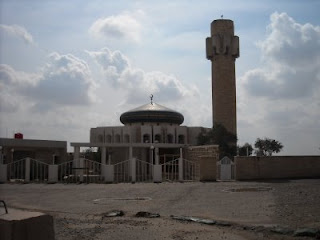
x,y
133,169
103,155
181,166
130,152
81,165
151,154
27,171
53,174
157,168
76,156
107,171
156,153
109,159
3,173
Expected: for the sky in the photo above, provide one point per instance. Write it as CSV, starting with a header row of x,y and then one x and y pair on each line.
x,y
68,66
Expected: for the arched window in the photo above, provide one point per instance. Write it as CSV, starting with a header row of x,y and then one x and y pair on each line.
x,y
157,138
100,138
126,138
181,139
117,138
170,138
108,138
146,138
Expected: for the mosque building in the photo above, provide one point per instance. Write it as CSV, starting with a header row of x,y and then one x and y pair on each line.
x,y
152,133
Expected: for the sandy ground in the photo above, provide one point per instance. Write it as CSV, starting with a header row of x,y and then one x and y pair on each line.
x,y
250,208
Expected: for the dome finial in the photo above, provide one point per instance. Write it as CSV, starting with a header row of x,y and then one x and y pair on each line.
x,y
151,97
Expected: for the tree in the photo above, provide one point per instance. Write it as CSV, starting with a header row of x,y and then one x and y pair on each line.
x,y
93,154
245,150
267,146
219,135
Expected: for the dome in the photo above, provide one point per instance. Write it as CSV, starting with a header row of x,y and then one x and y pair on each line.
x,y
151,112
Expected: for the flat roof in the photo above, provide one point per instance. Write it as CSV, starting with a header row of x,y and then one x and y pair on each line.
x,y
13,142
142,145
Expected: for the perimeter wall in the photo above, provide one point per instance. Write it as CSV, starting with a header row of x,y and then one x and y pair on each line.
x,y
276,167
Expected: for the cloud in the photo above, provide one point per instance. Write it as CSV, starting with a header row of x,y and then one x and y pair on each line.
x,y
137,83
125,26
280,98
291,56
18,31
65,80
11,83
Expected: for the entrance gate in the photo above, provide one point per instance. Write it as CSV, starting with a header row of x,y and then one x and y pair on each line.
x,y
123,171
27,170
225,169
190,170
81,170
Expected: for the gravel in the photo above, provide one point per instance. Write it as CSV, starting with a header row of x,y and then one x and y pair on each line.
x,y
248,213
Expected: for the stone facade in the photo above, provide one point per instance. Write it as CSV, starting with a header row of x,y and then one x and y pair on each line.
x,y
222,49
169,138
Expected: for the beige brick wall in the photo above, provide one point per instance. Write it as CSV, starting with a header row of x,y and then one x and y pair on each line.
x,y
277,167
206,156
208,168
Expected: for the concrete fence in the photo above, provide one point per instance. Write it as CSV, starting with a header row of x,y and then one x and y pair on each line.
x,y
277,167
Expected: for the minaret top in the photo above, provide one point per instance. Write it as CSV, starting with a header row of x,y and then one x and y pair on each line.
x,y
222,26
222,41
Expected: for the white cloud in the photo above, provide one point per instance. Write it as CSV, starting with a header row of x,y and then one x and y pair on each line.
x,y
65,80
11,83
280,98
125,26
291,53
137,83
17,31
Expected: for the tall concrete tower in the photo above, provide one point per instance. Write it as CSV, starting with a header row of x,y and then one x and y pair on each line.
x,y
222,48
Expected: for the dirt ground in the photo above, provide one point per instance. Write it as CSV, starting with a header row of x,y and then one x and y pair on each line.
x,y
242,210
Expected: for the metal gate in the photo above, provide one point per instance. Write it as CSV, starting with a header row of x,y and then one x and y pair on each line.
x,y
122,171
27,170
16,171
170,170
81,170
142,171
190,170
225,169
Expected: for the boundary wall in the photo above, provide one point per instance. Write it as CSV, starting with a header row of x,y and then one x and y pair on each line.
x,y
276,167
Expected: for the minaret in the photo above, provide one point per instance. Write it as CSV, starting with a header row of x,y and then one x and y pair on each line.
x,y
222,48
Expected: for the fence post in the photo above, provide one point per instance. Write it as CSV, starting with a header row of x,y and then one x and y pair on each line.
x,y
27,171
81,166
156,153
181,166
133,169
103,155
107,172
157,173
53,173
3,173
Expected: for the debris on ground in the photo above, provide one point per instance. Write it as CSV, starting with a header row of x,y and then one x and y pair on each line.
x,y
147,215
306,232
194,219
113,213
